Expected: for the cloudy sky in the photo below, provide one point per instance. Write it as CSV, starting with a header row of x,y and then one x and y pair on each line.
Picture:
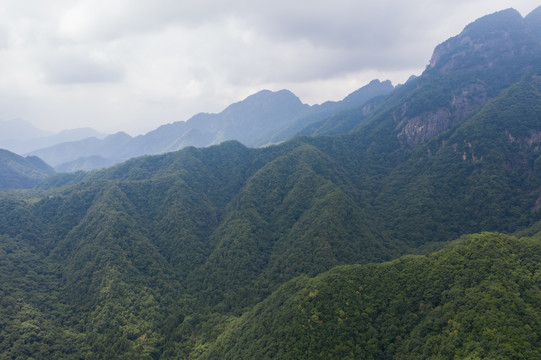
x,y
133,65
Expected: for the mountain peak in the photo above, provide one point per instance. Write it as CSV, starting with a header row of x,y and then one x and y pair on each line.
x,y
508,19
282,103
491,40
265,96
374,88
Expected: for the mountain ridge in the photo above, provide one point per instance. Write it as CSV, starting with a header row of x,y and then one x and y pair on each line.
x,y
462,77
21,137
18,172
260,119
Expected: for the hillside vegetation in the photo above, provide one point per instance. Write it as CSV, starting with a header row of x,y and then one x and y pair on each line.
x,y
303,249
17,172
477,299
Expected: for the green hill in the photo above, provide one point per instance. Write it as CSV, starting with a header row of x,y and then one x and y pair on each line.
x,y
477,299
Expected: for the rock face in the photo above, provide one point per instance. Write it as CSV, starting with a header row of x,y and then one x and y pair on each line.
x,y
430,123
468,70
495,37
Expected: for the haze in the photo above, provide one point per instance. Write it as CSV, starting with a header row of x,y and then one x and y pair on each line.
x,y
132,66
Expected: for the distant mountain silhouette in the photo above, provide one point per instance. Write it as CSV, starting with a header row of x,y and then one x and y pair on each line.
x,y
262,118
21,137
363,99
110,148
17,131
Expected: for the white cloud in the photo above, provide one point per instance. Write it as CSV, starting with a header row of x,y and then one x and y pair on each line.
x,y
133,65
81,69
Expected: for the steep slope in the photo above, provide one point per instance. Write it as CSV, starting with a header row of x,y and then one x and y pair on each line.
x,y
473,175
464,72
490,55
17,172
479,298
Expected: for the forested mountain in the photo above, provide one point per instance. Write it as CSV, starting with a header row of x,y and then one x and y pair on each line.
x,y
477,299
234,252
17,172
260,119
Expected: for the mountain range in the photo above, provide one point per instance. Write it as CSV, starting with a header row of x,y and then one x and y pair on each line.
x,y
263,118
337,244
21,137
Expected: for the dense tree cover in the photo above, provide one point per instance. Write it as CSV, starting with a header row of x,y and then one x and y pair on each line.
x,y
477,299
154,257
160,257
453,182
31,307
17,172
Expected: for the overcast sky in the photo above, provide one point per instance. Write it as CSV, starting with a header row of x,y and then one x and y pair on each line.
x,y
133,65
